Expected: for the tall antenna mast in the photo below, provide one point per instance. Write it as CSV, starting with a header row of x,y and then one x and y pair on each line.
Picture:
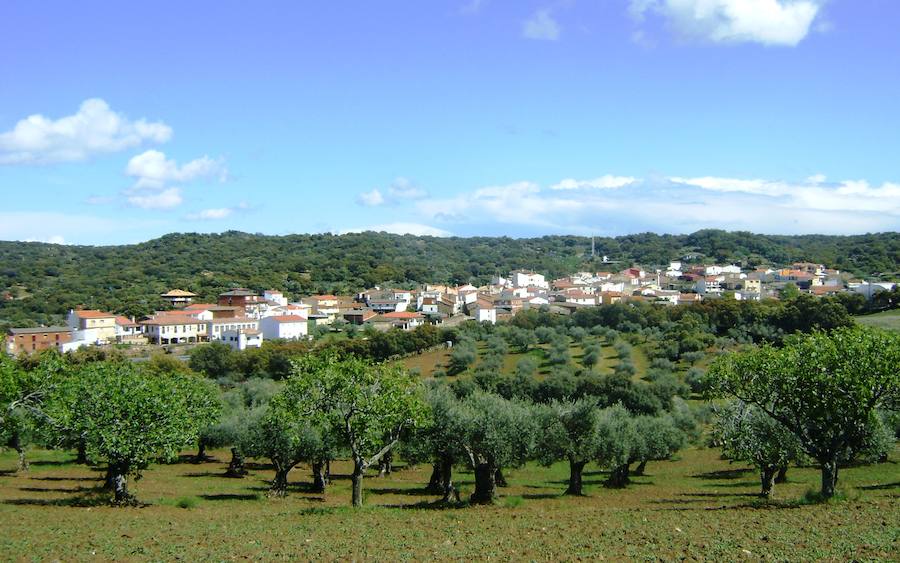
x,y
592,246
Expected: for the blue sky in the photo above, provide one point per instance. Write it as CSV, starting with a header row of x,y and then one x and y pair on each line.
x,y
120,123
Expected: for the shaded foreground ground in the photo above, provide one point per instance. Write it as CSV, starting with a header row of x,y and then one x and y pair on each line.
x,y
698,506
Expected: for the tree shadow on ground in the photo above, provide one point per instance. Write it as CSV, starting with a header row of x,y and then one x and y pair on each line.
x,y
723,474
76,501
60,489
735,485
206,474
538,496
44,462
64,478
233,496
882,487
431,505
398,491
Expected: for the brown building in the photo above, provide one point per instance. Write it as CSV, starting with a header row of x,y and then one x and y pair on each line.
x,y
239,297
33,339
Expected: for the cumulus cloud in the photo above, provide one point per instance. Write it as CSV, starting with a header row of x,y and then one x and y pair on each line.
x,y
154,175
403,229
399,191
370,199
216,213
769,22
603,182
541,26
673,204
93,129
155,199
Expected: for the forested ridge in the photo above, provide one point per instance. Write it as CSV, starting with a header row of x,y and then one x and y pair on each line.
x,y
39,282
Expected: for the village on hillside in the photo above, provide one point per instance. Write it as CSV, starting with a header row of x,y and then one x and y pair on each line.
x,y
242,318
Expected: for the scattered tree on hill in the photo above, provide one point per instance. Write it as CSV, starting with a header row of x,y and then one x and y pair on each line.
x,y
370,405
824,388
496,433
746,433
567,430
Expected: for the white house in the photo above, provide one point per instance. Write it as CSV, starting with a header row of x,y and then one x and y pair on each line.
x,y
276,297
287,327
871,288
484,311
216,329
524,278
174,329
241,339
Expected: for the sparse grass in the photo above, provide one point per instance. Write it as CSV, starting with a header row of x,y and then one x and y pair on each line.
x,y
698,507
889,320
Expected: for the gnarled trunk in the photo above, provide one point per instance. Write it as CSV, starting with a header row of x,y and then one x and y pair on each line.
x,y
639,470
576,468
236,465
434,482
829,478
201,451
500,479
280,483
386,465
319,480
781,476
767,479
357,480
118,474
22,463
82,452
485,484
450,492
618,477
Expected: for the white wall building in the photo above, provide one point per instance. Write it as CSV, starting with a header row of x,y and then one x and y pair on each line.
x,y
523,278
241,339
287,327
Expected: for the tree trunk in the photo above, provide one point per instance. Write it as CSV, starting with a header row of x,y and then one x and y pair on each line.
x,y
109,480
639,470
357,479
327,471
485,484
618,477
236,465
82,452
500,479
318,471
122,497
279,485
781,477
575,483
434,483
22,464
449,490
201,451
767,479
829,478
386,465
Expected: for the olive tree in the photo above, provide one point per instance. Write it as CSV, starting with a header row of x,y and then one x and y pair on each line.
x,y
370,405
567,430
617,443
495,433
659,439
746,433
823,387
129,418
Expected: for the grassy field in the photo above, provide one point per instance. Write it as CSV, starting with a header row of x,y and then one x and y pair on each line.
x,y
695,507
887,319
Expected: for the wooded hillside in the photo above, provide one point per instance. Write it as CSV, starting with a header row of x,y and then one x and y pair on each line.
x,y
39,282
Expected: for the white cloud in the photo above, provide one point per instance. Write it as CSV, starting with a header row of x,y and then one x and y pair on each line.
x,y
403,188
603,182
153,170
69,228
404,229
154,174
673,205
216,213
370,199
399,191
94,129
155,199
769,22
542,26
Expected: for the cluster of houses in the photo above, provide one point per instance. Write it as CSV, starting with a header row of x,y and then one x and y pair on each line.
x,y
243,318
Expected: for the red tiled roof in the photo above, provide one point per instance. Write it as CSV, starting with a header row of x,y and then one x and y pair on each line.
x,y
90,314
402,315
288,319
